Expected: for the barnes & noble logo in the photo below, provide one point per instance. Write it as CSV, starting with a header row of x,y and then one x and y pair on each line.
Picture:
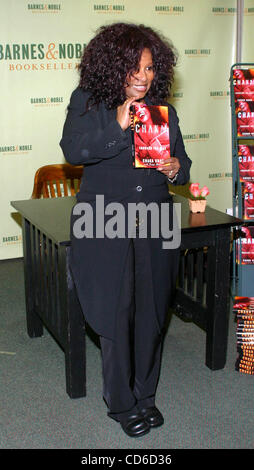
x,y
197,52
51,52
219,94
12,240
44,7
15,149
47,101
224,10
248,11
177,95
220,176
37,51
169,9
108,8
196,137
231,10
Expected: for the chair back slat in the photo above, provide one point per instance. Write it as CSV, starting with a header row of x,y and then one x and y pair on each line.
x,y
65,188
58,188
45,191
72,186
51,189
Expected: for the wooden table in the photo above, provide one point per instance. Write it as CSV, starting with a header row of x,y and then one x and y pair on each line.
x,y
202,294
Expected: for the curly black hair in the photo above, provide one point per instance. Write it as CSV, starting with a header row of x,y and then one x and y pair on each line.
x,y
114,52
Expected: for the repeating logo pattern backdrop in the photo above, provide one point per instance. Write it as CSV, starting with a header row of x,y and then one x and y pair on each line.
x,y
40,48
248,31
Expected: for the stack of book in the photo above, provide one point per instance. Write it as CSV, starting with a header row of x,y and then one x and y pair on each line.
x,y
244,311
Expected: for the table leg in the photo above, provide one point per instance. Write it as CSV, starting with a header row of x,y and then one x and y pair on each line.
x,y
218,301
34,323
73,329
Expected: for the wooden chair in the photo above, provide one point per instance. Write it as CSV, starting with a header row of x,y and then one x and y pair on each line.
x,y
56,181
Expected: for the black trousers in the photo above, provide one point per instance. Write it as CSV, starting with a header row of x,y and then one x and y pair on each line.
x,y
131,363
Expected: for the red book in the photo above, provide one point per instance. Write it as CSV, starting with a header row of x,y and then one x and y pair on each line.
x,y
150,135
246,162
244,101
245,118
248,200
243,84
244,305
246,245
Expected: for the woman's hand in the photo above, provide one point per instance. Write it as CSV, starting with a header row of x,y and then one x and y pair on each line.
x,y
123,113
170,168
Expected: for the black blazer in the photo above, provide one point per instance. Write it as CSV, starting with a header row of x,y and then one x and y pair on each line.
x,y
96,140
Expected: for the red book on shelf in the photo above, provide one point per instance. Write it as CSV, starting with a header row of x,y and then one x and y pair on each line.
x,y
248,200
246,162
244,101
243,305
245,118
243,84
246,245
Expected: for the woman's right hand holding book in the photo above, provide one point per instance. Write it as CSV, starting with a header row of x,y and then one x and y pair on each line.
x,y
123,113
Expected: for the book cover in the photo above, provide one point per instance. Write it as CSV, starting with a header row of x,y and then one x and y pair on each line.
x,y
246,162
243,80
243,305
248,200
150,135
245,246
245,118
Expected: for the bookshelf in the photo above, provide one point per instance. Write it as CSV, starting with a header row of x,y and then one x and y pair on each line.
x,y
242,112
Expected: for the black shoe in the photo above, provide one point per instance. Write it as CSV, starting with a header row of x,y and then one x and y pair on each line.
x,y
152,416
135,425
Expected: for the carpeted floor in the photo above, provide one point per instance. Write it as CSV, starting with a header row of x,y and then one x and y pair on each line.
x,y
202,409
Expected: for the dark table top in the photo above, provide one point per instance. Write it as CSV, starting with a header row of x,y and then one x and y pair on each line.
x,y
52,216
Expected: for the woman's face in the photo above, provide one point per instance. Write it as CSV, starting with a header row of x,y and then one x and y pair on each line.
x,y
140,81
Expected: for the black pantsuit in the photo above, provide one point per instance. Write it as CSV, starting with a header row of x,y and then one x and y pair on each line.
x,y
121,283
131,362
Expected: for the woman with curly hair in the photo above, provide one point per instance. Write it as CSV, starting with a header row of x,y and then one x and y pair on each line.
x,y
125,283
